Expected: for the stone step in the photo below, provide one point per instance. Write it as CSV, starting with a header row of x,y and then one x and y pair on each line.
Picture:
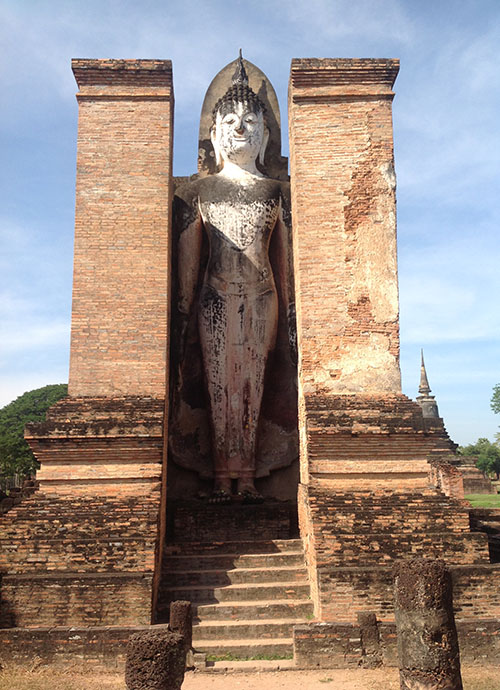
x,y
251,666
246,592
264,629
247,648
363,500
253,611
219,578
243,547
230,561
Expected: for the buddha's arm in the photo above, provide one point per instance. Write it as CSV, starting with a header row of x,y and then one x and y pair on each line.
x,y
189,227
285,284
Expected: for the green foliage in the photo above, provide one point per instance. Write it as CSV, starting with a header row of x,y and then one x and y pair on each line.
x,y
487,453
255,657
495,399
15,454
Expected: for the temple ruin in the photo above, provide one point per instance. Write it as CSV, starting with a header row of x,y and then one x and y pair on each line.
x,y
350,474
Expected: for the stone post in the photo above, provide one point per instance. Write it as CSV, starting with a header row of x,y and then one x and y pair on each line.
x,y
155,661
370,639
181,621
427,637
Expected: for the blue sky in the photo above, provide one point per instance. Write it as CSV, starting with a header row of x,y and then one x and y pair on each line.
x,y
447,140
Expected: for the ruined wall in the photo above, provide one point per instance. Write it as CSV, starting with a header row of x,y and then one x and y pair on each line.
x,y
81,560
326,645
123,201
347,590
100,446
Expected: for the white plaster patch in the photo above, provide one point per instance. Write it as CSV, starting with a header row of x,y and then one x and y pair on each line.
x,y
241,222
389,174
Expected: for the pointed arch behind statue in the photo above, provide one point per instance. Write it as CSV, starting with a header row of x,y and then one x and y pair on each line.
x,y
275,165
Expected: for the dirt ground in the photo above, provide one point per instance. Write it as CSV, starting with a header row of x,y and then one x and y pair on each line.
x,y
475,678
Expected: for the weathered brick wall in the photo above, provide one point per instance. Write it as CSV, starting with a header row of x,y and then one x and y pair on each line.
x,y
344,224
316,645
32,600
308,534
448,478
195,521
476,591
88,648
82,551
367,494
369,441
92,534
78,560
355,528
123,199
329,645
345,591
100,446
355,533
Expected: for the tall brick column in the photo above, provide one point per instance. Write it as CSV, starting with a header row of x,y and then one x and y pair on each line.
x,y
123,191
107,437
361,441
89,538
344,221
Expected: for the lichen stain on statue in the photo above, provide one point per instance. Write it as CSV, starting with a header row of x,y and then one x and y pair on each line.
x,y
234,407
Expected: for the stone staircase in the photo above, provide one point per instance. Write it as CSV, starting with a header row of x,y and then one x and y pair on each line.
x,y
246,594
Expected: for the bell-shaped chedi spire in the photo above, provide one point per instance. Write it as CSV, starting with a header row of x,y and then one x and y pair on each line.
x,y
426,401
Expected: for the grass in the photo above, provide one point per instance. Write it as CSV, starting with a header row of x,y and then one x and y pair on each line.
x,y
484,500
256,657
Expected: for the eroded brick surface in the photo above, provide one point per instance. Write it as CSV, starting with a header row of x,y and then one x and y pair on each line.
x,y
344,224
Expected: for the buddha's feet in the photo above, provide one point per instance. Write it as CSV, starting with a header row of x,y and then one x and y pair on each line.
x,y
220,496
221,492
246,488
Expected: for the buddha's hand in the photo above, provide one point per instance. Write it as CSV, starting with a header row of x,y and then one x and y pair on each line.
x,y
183,306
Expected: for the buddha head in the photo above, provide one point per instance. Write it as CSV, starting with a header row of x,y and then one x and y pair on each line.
x,y
239,133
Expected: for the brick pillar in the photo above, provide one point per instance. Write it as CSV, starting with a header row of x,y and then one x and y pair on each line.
x,y
107,437
345,262
344,223
123,192
102,480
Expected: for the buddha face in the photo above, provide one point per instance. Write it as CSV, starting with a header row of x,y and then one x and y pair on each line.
x,y
239,136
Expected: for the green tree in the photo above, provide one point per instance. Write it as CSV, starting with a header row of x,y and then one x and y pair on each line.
x,y
495,405
15,454
495,399
487,453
